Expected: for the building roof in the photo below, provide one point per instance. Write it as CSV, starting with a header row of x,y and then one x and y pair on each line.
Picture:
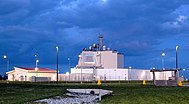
x,y
160,70
38,69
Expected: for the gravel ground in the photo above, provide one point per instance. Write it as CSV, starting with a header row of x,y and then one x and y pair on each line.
x,y
78,99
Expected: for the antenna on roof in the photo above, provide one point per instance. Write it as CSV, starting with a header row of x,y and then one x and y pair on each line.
x,y
101,42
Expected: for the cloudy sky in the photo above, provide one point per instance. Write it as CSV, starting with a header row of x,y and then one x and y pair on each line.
x,y
140,29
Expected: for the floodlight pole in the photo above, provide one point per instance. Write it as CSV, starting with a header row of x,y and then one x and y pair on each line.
x,y
36,68
69,63
163,65
6,57
176,73
177,57
36,61
57,64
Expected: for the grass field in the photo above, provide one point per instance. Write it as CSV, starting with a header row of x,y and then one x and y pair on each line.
x,y
124,93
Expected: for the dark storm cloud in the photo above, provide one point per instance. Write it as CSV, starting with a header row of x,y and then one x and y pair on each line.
x,y
137,27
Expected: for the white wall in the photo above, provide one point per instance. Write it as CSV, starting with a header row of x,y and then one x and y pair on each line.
x,y
25,75
109,59
140,74
18,75
105,59
113,74
123,74
108,74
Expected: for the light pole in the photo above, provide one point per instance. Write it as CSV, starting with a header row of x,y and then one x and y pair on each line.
x,y
68,62
6,57
176,72
163,55
177,57
69,66
36,63
57,64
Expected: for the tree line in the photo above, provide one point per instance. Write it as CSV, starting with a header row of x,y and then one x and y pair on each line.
x,y
4,77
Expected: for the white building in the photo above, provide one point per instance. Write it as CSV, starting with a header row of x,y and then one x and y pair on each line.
x,y
101,59
102,63
31,74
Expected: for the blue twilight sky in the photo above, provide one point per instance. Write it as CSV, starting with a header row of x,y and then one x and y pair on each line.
x,y
140,29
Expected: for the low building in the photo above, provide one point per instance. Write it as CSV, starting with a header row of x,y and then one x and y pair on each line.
x,y
32,74
169,81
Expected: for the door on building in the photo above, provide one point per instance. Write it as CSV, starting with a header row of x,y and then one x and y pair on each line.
x,y
21,78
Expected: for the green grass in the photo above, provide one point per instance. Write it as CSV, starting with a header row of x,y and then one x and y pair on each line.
x,y
123,93
138,94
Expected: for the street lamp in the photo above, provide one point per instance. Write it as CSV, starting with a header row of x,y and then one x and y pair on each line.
x,y
69,63
69,66
177,57
130,67
57,64
176,73
6,57
163,68
36,63
163,55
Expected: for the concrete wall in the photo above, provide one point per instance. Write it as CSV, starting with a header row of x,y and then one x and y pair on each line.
x,y
105,59
120,61
109,59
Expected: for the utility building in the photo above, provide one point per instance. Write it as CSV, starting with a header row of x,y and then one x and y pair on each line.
x,y
31,74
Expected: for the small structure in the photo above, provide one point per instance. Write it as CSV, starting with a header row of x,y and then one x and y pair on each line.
x,y
168,80
31,74
102,92
99,92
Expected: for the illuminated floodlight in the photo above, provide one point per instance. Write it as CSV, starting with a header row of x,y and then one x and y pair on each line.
x,y
5,56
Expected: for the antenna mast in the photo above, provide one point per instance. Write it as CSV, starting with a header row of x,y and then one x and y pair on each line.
x,y
101,42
